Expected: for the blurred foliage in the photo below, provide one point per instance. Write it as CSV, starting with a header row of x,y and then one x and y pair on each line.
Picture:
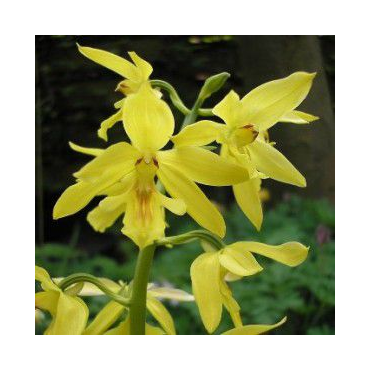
x,y
305,293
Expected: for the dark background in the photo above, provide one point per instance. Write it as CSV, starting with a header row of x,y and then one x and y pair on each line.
x,y
73,95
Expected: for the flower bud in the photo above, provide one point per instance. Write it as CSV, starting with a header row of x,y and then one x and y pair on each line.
x,y
213,84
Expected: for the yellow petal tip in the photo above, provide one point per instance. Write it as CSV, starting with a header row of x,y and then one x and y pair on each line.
x,y
300,181
315,118
222,232
103,135
258,225
56,214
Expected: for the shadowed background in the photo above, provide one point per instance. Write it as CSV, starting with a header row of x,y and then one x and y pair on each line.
x,y
73,95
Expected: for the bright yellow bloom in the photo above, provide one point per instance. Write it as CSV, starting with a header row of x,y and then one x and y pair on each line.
x,y
244,137
135,76
210,271
69,312
113,310
126,175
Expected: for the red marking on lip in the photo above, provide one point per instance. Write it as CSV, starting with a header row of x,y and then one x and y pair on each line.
x,y
155,162
139,160
251,128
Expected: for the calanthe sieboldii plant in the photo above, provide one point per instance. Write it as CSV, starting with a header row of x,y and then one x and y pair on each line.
x,y
133,178
244,138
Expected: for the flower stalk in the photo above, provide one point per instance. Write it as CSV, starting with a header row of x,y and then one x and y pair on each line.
x,y
81,277
139,290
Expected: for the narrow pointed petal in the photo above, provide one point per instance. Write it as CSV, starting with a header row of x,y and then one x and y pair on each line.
x,y
254,329
101,219
197,204
205,277
123,186
176,206
143,66
266,104
111,203
298,117
231,304
100,175
160,313
111,61
203,166
80,194
84,150
272,163
247,197
108,123
239,263
121,154
148,120
229,109
198,134
105,319
122,329
290,254
119,104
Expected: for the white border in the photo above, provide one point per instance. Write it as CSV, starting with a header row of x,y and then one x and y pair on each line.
x,y
22,20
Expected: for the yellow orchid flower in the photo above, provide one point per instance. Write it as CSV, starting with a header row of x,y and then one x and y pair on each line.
x,y
243,138
135,75
69,313
113,310
210,271
126,173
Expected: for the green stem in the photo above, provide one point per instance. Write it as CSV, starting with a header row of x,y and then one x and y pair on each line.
x,y
205,112
81,277
139,290
205,235
176,100
192,116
